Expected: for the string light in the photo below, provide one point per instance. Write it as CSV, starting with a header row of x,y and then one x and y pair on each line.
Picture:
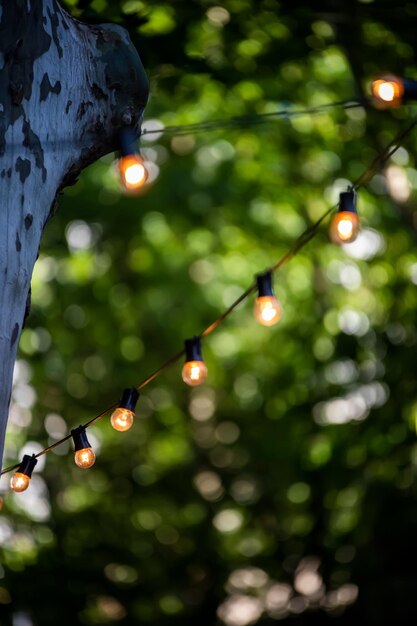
x,y
122,418
344,227
84,455
267,309
390,91
20,480
82,446
132,170
195,370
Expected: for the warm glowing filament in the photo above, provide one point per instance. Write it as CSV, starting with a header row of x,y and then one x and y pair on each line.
x,y
388,90
194,373
122,419
132,172
85,458
19,482
268,310
344,227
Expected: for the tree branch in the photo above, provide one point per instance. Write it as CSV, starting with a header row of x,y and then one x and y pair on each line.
x,y
66,90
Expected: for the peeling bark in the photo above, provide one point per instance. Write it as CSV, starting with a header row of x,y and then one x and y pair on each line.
x,y
66,89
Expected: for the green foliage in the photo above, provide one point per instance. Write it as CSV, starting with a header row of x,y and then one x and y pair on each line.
x,y
295,464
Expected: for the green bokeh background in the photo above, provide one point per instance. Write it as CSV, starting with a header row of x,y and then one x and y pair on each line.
x,y
285,488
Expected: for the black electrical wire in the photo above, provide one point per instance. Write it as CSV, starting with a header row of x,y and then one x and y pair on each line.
x,y
243,121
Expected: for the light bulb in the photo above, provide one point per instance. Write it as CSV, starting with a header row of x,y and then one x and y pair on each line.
x,y
85,458
344,227
122,419
84,455
194,373
132,171
267,310
19,482
388,91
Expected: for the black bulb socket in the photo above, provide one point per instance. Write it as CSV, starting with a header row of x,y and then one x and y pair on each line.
x,y
80,439
193,349
127,142
129,399
347,202
410,88
264,282
27,465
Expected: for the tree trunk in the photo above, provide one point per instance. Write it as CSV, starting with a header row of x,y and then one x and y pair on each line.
x,y
66,90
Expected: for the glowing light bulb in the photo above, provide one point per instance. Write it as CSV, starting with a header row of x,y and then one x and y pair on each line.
x,y
267,309
85,458
345,225
84,455
122,418
20,480
388,91
132,168
133,172
194,371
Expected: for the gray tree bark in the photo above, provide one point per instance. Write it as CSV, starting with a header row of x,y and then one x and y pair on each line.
x,y
66,90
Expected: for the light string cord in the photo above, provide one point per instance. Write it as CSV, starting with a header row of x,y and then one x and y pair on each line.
x,y
305,237
311,231
240,121
236,122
